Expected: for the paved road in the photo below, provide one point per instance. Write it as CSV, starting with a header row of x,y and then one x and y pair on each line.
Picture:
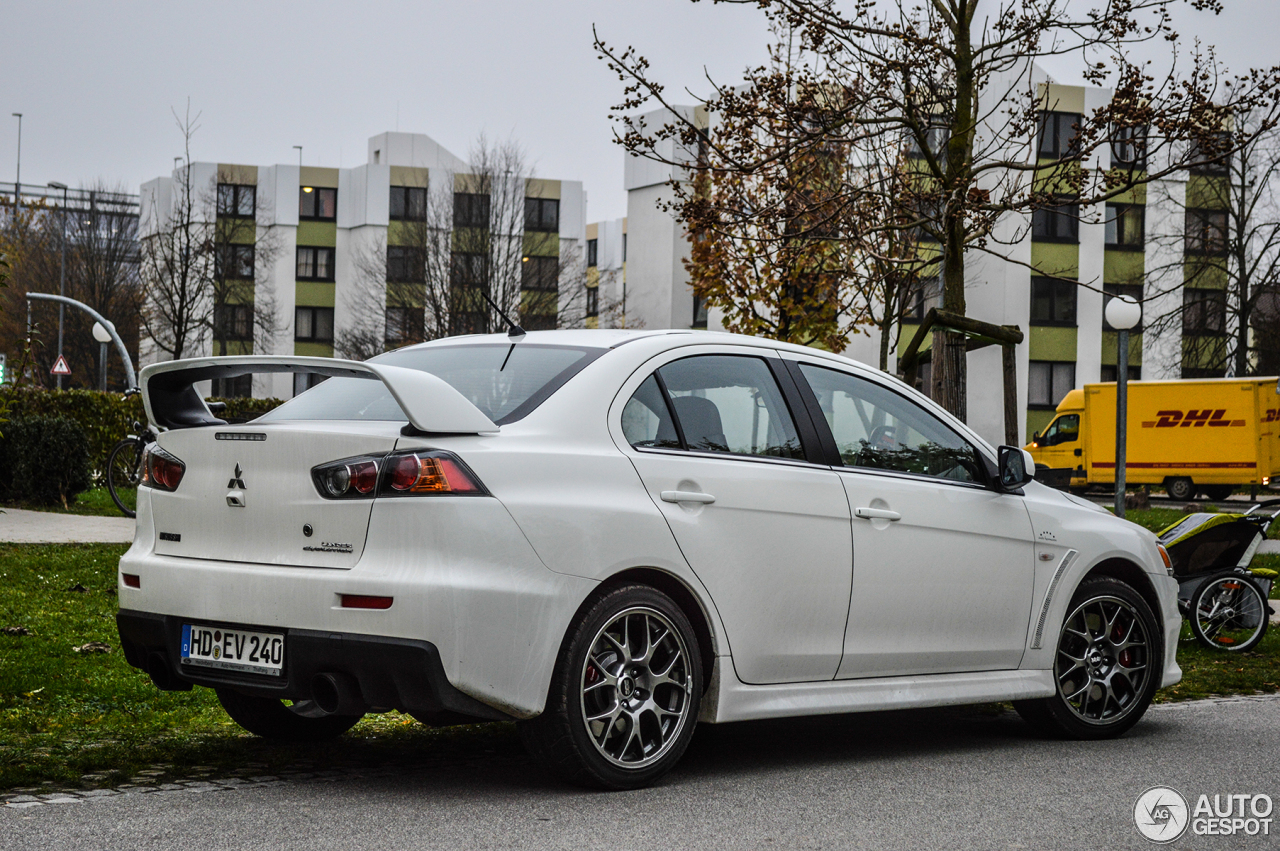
x,y
953,778
19,526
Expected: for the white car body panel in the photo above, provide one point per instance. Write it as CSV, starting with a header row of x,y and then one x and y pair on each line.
x,y
495,582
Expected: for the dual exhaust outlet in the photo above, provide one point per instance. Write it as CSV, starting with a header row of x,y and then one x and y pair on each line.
x,y
332,693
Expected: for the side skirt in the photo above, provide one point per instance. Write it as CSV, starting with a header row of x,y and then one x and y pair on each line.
x,y
727,699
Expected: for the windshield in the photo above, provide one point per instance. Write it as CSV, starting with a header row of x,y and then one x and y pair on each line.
x,y
503,381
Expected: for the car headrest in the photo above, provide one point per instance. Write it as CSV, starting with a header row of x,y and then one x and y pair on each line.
x,y
700,419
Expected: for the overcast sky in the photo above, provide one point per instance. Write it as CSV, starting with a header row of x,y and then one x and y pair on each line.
x,y
97,81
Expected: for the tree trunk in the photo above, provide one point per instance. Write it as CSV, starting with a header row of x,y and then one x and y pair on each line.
x,y
949,374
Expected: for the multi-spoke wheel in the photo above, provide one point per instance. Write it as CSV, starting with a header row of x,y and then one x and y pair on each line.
x,y
624,697
1107,665
1229,612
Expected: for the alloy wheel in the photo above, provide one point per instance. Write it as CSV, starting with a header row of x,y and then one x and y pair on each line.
x,y
1102,665
636,688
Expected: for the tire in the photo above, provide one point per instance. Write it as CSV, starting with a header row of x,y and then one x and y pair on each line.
x,y
269,718
1229,612
1180,488
1217,493
123,471
653,690
1107,666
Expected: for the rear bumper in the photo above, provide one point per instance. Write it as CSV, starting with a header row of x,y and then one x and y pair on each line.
x,y
391,673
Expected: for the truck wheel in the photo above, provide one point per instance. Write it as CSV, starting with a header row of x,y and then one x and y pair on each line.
x,y
1179,487
1217,493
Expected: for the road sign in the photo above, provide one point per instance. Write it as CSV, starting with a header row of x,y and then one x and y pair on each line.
x,y
60,367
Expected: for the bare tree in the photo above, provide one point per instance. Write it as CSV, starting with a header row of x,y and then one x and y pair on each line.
x,y
960,90
486,232
1227,266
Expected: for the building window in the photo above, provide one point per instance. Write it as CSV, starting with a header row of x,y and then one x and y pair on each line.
x,y
314,263
317,203
1209,155
405,265
313,324
304,381
403,325
1204,312
234,262
593,301
1053,302
237,200
1048,382
240,387
624,248
1110,371
1059,134
936,136
922,295
542,214
538,321
470,210
408,204
1059,222
1202,372
233,321
1110,291
540,273
1124,225
1207,232
699,312
1129,147
593,252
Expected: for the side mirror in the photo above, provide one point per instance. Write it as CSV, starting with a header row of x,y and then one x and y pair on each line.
x,y
1017,467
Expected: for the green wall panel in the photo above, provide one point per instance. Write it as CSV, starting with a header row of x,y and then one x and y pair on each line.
x,y
1049,343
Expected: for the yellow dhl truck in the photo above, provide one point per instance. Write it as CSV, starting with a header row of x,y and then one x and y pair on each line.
x,y
1205,436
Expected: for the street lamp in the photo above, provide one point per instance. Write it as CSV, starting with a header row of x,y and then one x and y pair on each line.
x,y
103,336
62,274
1123,313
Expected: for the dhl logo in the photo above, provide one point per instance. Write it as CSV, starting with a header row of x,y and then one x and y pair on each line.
x,y
1206,417
1273,415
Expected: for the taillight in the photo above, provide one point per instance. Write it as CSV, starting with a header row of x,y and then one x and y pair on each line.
x,y
161,470
351,478
419,473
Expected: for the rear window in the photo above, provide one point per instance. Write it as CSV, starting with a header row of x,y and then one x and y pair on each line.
x,y
504,382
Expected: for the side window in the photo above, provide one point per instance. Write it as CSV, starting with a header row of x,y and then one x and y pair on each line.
x,y
878,429
731,404
1065,429
646,419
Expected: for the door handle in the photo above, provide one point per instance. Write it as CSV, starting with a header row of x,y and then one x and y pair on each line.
x,y
1079,452
876,514
688,496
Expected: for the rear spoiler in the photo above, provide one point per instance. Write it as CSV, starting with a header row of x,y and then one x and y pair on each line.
x,y
429,403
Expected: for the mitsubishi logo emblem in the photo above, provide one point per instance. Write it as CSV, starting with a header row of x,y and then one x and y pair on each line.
x,y
236,481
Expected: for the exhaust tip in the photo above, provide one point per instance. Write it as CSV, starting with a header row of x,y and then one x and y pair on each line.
x,y
335,694
162,674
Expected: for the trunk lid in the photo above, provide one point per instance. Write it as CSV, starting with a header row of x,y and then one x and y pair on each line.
x,y
267,469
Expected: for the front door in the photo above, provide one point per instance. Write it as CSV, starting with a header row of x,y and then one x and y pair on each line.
x,y
1058,446
943,565
766,532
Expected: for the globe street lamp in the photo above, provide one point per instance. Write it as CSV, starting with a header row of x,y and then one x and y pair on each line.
x,y
103,336
1123,313
62,275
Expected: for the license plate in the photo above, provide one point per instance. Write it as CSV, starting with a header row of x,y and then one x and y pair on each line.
x,y
233,649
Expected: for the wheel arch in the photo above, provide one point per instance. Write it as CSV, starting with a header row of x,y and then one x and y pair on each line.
x,y
679,591
1132,575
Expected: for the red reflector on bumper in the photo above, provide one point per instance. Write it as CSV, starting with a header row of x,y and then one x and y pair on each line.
x,y
132,580
363,601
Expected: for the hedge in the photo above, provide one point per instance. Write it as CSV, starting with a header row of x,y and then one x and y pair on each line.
x,y
44,460
105,417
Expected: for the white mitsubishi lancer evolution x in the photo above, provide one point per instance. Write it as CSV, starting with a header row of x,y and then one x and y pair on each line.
x,y
609,536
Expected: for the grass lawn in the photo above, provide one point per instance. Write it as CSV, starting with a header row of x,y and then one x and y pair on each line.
x,y
75,720
95,501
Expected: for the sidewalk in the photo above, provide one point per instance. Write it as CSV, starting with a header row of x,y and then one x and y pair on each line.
x,y
19,526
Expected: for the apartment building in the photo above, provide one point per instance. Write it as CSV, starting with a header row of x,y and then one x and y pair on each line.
x,y
1163,243
341,260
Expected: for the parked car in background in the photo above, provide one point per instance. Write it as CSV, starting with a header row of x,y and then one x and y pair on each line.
x,y
1192,436
610,536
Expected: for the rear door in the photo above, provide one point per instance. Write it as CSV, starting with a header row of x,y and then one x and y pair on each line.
x,y
247,494
943,565
720,452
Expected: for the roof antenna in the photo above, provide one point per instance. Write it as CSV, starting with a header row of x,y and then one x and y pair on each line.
x,y
514,331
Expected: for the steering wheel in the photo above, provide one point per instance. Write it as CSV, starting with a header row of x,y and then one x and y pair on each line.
x,y
883,437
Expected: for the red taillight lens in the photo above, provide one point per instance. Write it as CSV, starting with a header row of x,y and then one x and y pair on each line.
x,y
364,601
431,472
132,580
351,478
161,470
364,476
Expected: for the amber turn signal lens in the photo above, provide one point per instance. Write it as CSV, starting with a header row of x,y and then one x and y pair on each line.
x,y
431,474
1164,554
